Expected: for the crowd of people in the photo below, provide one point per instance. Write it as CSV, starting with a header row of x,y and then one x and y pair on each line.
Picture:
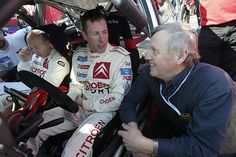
x,y
189,75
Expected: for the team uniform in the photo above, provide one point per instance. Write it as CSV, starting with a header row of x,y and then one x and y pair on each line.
x,y
102,79
53,69
9,57
202,94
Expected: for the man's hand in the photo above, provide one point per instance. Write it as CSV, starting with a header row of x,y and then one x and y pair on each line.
x,y
25,54
76,117
131,138
134,140
79,100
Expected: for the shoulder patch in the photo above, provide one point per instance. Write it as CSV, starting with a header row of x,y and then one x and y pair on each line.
x,y
61,63
120,50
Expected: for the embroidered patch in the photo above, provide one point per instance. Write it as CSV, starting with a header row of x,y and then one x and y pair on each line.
x,y
102,70
4,59
128,78
82,58
126,86
45,63
61,63
83,66
37,63
126,71
81,75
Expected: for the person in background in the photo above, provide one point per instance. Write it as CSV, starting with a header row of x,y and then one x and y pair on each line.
x,y
189,95
40,58
217,36
101,75
10,45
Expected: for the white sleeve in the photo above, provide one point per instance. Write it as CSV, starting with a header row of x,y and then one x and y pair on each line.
x,y
24,66
57,70
75,88
19,36
119,87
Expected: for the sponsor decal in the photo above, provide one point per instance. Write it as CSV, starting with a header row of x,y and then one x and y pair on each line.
x,y
38,72
37,63
94,57
127,64
81,75
4,59
108,100
45,63
86,146
126,86
126,71
96,87
83,66
61,63
128,78
102,70
82,58
9,98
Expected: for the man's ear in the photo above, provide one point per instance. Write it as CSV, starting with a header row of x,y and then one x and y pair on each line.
x,y
180,58
84,35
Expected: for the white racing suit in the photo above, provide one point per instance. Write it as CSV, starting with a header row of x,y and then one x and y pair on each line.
x,y
103,79
9,57
53,69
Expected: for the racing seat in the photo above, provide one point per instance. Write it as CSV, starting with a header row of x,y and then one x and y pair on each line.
x,y
119,31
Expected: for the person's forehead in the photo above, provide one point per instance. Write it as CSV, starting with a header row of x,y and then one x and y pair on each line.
x,y
160,37
34,40
92,25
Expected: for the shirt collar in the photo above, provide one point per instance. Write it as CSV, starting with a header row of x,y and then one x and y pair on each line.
x,y
176,81
109,47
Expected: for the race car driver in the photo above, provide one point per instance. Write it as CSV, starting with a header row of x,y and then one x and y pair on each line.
x,y
101,75
42,59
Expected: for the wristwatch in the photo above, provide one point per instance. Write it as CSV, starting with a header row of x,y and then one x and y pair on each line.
x,y
155,148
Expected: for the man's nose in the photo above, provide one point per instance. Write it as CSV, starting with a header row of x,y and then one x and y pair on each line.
x,y
147,56
102,37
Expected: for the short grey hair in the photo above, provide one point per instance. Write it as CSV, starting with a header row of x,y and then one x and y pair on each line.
x,y
183,38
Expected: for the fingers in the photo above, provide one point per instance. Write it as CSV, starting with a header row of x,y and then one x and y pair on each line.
x,y
125,127
25,54
73,118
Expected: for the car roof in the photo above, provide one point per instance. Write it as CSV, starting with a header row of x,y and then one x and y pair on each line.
x,y
142,18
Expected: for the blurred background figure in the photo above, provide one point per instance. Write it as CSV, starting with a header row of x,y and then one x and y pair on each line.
x,y
10,45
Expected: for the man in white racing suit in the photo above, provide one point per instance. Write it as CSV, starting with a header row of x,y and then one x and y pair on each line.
x,y
100,77
42,59
10,45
